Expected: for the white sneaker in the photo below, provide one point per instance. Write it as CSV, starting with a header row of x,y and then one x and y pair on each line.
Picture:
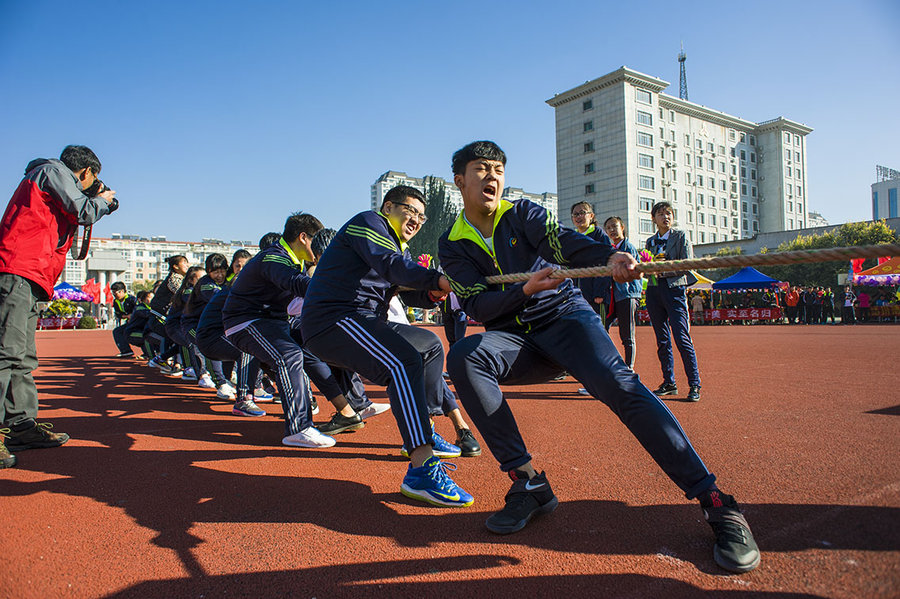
x,y
374,410
153,363
189,374
234,378
583,391
206,382
226,391
311,437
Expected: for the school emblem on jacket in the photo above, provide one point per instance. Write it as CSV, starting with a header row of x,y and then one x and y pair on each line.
x,y
513,241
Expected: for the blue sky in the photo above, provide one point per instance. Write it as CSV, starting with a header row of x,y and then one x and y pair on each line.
x,y
217,119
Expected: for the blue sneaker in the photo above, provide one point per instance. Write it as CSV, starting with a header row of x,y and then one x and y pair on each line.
x,y
440,447
262,395
431,484
246,407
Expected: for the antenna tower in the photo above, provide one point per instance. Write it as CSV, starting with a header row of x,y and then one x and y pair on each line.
x,y
682,90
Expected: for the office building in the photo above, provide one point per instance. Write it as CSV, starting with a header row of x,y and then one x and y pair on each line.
x,y
884,193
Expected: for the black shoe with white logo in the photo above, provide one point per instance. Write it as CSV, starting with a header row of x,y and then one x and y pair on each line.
x,y
526,499
735,549
666,389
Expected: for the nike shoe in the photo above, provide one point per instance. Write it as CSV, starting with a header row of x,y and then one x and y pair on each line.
x,y
526,499
468,445
341,424
206,382
310,438
440,447
666,389
374,409
431,484
262,395
735,549
188,374
225,391
246,407
694,393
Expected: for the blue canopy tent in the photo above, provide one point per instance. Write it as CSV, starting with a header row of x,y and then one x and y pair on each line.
x,y
746,278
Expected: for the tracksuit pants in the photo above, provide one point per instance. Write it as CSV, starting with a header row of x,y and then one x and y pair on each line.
x,y
217,347
576,343
408,360
270,341
18,354
455,324
624,313
120,336
671,319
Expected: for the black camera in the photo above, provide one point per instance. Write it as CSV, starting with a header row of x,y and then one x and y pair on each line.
x,y
98,187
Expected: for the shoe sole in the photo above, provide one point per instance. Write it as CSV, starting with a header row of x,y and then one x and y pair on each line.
x,y
471,454
437,454
732,566
341,429
37,445
425,497
663,393
544,509
306,446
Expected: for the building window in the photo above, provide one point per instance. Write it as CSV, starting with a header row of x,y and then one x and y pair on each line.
x,y
587,104
755,226
701,217
799,207
645,182
699,144
643,96
687,140
699,161
755,209
752,140
644,139
724,221
799,192
644,118
672,135
731,134
797,156
787,154
710,147
752,157
734,223
744,207
722,167
588,126
743,155
743,189
646,225
753,174
645,204
787,138
588,168
790,206
743,172
734,205
711,183
589,188
713,237
700,180
799,224
722,184
892,202
723,203
700,199
589,147
787,171
688,199
702,237
710,164
687,159
671,116
797,173
753,191
687,178
690,216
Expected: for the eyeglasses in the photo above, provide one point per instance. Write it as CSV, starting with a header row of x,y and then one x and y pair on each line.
x,y
581,213
420,217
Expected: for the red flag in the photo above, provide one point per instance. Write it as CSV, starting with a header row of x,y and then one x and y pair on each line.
x,y
857,264
883,259
108,295
92,287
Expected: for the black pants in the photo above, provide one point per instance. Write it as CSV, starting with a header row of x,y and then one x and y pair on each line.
x,y
18,354
625,309
408,360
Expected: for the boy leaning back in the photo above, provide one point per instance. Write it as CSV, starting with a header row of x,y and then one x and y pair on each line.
x,y
538,329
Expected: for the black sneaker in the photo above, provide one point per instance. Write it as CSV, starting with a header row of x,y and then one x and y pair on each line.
x,y
7,460
525,499
735,549
466,441
38,436
341,424
694,393
666,389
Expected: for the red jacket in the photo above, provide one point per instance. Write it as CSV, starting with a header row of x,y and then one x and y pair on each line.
x,y
41,220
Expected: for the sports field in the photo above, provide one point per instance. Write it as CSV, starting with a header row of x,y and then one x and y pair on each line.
x,y
163,493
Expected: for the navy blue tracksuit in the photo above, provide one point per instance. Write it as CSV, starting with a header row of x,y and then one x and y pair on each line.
x,y
256,322
344,320
212,343
531,339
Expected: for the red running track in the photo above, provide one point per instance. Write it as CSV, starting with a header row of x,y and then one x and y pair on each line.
x,y
162,493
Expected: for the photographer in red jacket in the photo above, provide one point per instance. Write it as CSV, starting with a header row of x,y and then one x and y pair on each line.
x,y
36,233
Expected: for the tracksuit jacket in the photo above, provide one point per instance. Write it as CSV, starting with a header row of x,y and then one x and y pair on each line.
x,y
359,274
521,230
41,220
268,283
201,295
592,287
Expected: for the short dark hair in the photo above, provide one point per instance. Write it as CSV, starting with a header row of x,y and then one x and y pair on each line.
x,y
268,240
189,280
321,241
475,150
173,260
117,286
397,194
238,255
215,262
79,157
659,206
142,295
618,220
300,222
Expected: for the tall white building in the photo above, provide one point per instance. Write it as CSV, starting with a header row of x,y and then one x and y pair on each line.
x,y
622,144
884,193
132,259
391,179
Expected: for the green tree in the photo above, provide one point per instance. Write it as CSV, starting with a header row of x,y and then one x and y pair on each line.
x,y
441,216
825,273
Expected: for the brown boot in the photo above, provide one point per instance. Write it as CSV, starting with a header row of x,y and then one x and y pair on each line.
x,y
7,460
35,437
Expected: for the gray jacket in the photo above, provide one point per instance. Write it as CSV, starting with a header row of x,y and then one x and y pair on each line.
x,y
677,248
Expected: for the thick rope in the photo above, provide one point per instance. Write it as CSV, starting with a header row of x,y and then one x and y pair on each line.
x,y
712,262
